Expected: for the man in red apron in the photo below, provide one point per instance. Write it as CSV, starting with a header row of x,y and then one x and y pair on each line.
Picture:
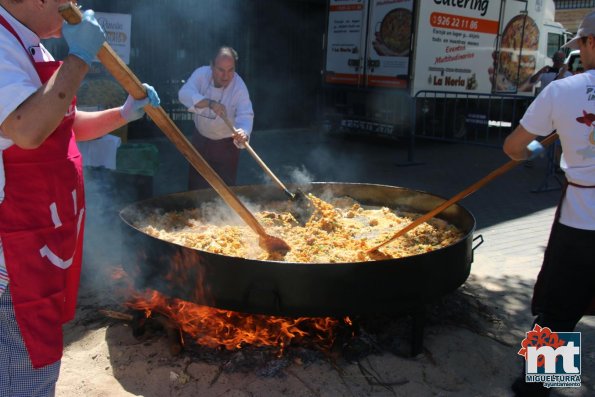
x,y
42,202
565,286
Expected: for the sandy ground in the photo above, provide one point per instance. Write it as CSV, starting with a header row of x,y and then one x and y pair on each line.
x,y
470,346
469,350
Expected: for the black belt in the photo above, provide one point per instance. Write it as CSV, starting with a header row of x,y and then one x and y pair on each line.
x,y
581,186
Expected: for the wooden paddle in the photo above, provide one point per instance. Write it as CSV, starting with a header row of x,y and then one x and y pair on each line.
x,y
134,87
258,159
471,189
303,209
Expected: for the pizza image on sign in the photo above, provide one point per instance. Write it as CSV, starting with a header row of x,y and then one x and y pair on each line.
x,y
518,47
393,36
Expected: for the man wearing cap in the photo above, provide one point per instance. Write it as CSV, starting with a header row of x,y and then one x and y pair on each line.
x,y
565,286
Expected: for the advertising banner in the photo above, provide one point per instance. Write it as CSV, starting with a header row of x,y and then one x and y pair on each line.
x,y
389,43
519,48
117,31
345,46
459,42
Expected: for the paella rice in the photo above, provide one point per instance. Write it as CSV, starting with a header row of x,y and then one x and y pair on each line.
x,y
339,230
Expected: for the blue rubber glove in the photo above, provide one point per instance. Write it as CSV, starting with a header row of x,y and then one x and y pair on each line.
x,y
535,149
133,108
84,39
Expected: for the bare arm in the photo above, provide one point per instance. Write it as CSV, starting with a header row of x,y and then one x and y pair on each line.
x,y
515,145
536,76
563,72
91,125
29,125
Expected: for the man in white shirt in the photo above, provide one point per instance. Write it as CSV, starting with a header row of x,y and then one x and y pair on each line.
x,y
210,93
565,286
547,74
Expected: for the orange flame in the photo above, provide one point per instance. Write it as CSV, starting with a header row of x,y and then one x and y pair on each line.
x,y
118,274
215,328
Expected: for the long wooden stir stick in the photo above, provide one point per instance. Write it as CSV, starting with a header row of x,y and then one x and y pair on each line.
x,y
471,189
257,158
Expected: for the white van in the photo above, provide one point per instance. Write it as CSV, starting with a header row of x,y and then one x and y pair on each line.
x,y
433,65
573,60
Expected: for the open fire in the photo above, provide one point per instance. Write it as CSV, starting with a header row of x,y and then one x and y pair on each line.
x,y
217,328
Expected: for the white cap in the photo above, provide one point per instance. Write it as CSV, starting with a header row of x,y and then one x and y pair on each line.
x,y
587,28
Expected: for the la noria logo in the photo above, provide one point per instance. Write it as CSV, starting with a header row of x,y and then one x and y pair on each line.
x,y
552,358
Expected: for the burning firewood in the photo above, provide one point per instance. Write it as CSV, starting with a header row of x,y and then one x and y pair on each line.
x,y
174,335
139,321
116,315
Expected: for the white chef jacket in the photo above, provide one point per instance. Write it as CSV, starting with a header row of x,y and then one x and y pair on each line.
x,y
234,97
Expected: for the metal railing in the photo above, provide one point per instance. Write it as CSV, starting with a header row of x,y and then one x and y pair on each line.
x,y
481,119
572,4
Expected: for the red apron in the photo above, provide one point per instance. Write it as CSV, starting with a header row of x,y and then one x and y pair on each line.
x,y
41,229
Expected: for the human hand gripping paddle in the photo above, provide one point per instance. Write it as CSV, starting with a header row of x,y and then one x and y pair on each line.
x,y
303,207
471,189
133,86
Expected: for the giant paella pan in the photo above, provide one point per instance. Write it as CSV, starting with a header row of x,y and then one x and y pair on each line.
x,y
289,288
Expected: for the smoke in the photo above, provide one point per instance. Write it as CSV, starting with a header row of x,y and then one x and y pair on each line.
x,y
107,244
217,212
307,156
103,247
339,167
301,176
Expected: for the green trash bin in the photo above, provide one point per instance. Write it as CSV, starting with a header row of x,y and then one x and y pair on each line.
x,y
137,159
136,166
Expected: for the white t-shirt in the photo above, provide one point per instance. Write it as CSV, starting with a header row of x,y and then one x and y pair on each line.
x,y
234,97
568,106
18,78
